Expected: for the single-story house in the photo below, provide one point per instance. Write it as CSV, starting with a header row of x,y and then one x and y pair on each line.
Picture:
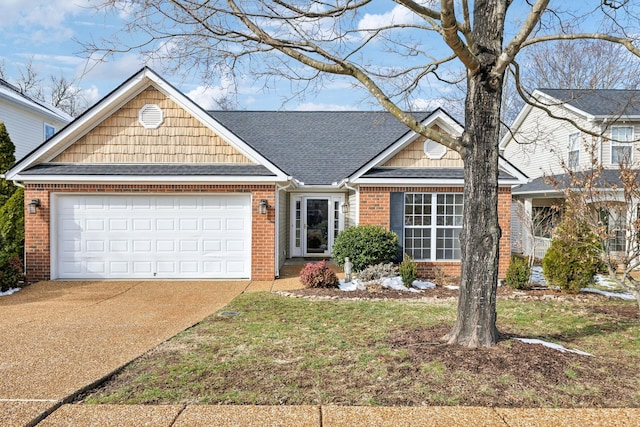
x,y
146,184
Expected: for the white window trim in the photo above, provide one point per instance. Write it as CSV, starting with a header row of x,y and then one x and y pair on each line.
x,y
573,146
433,227
617,143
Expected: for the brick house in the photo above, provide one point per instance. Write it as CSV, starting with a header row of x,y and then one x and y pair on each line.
x,y
146,184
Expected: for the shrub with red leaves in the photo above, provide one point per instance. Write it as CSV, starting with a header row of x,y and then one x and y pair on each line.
x,y
318,275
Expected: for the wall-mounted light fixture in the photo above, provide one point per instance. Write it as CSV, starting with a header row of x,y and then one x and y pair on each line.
x,y
262,206
33,206
345,207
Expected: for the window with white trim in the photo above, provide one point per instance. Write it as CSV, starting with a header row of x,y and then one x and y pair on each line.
x,y
621,144
573,155
432,225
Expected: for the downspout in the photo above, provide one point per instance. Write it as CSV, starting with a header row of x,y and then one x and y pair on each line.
x,y
279,188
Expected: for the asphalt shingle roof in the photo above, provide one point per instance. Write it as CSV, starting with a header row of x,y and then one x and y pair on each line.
x,y
428,173
320,147
600,102
148,170
608,178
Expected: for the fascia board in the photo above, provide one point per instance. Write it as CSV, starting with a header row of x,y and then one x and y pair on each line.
x,y
84,179
520,118
410,136
33,106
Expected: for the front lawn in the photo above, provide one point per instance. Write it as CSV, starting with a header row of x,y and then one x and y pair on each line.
x,y
270,349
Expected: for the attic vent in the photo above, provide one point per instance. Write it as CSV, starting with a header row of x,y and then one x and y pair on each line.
x,y
150,116
433,150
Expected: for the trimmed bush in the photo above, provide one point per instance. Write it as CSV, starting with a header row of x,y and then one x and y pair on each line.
x,y
408,271
10,273
378,271
573,257
518,273
365,245
318,275
12,227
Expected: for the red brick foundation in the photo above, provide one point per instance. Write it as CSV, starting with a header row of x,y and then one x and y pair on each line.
x,y
37,238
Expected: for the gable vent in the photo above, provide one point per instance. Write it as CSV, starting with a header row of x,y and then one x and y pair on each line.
x,y
150,116
433,150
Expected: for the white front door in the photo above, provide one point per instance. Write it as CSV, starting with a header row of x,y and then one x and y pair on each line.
x,y
151,236
315,222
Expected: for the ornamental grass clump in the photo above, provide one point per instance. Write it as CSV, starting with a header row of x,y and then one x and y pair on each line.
x,y
377,272
318,275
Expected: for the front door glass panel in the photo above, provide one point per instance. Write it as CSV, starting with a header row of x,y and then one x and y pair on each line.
x,y
317,226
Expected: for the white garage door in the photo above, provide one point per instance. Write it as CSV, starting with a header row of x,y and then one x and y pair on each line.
x,y
151,236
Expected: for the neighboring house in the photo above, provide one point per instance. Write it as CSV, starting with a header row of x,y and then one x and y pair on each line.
x,y
574,128
146,184
28,121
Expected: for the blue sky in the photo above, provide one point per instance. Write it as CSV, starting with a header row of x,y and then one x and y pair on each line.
x,y
47,33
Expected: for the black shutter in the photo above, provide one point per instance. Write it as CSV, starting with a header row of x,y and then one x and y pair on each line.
x,y
397,221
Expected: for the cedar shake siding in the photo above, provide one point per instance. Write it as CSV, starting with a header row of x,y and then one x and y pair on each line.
x,y
180,138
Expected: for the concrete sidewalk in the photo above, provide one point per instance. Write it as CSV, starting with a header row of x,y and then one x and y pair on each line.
x,y
333,416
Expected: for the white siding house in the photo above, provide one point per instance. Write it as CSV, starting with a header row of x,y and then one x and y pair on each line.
x,y
562,130
28,121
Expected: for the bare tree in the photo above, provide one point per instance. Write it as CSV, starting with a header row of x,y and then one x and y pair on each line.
x,y
423,44
56,90
607,201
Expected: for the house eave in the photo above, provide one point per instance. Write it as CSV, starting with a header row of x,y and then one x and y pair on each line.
x,y
136,179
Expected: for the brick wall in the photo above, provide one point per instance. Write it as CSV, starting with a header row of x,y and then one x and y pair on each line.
x,y
375,210
37,238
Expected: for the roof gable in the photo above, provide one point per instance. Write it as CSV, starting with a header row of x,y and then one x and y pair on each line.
x,y
114,102
121,138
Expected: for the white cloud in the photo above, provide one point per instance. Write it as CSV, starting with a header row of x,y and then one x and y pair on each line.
x,y
207,96
91,95
397,16
45,14
312,106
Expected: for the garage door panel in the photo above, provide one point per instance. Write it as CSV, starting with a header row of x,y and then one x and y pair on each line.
x,y
141,236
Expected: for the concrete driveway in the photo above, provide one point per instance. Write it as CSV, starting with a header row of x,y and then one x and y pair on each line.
x,y
59,337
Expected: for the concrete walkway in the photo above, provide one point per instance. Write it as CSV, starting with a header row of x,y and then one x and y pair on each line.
x,y
60,337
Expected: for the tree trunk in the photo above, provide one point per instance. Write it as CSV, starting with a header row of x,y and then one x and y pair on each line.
x,y
480,236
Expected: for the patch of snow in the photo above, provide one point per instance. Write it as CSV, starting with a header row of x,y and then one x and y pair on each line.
x,y
353,285
552,345
620,295
605,281
537,276
423,285
394,283
452,287
9,292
